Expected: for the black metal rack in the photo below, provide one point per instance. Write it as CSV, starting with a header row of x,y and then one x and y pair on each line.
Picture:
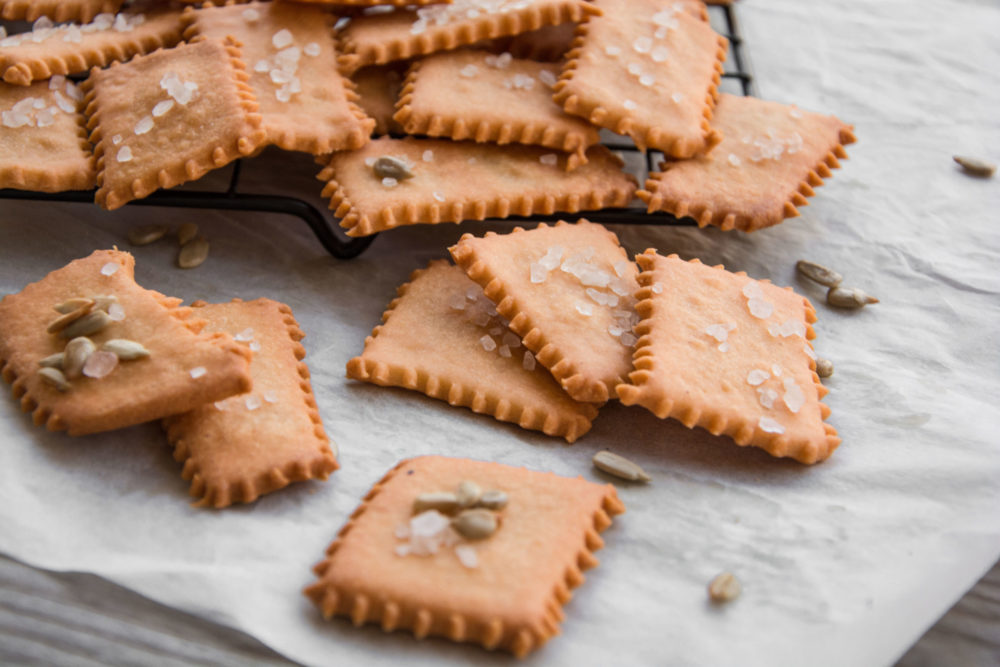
x,y
343,247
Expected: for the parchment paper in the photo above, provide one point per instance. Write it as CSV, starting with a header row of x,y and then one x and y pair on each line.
x,y
847,562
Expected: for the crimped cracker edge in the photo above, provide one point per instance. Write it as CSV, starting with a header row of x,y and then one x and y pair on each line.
x,y
193,169
498,407
566,373
57,10
489,633
727,220
775,444
247,489
624,124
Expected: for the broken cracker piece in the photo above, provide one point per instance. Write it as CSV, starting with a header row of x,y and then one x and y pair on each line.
x,y
441,337
730,354
567,292
503,592
378,88
456,181
56,10
771,158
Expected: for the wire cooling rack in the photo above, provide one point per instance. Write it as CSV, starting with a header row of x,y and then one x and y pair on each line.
x,y
324,226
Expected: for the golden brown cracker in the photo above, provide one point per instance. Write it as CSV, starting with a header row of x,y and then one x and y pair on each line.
x,y
567,292
471,94
442,337
378,88
648,70
466,181
305,104
43,144
240,448
402,34
201,85
57,10
72,48
730,354
769,161
185,369
509,599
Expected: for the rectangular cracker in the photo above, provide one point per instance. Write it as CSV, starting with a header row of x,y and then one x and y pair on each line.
x,y
44,149
649,70
57,10
507,594
441,337
245,446
137,153
323,116
730,354
567,292
185,369
378,88
72,48
471,94
467,181
402,34
770,159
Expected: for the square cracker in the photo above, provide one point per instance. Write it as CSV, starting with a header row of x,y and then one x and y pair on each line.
x,y
57,10
511,600
137,391
217,124
731,354
472,94
323,117
576,317
467,181
770,159
441,337
403,34
245,446
70,48
44,149
649,70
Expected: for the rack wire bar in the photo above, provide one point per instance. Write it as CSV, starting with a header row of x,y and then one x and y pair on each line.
x,y
338,244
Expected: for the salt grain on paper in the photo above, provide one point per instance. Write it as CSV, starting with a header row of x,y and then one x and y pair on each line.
x,y
198,372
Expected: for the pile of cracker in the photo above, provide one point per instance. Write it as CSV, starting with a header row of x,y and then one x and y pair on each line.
x,y
478,108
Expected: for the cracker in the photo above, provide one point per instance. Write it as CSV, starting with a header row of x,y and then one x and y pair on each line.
x,y
403,34
184,370
770,160
442,338
647,70
567,292
510,599
44,149
57,10
472,94
730,354
245,446
378,88
123,101
71,48
467,181
289,48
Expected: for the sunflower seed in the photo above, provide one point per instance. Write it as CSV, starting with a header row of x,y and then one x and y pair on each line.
x,y
391,167
724,588
976,166
186,233
849,297
819,273
475,524
87,325
146,234
126,350
69,318
468,493
493,500
54,377
619,466
69,305
824,368
193,253
53,361
77,352
442,502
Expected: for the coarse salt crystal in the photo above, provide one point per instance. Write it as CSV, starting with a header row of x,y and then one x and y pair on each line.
x,y
628,339
630,105
469,71
57,81
162,108
402,549
767,397
253,402
124,154
660,54
612,50
438,197
110,269
511,340
794,397
584,308
116,312
117,139
757,377
677,97
282,38
791,327
262,66
807,348
251,15
144,125
389,182
271,396
312,49
245,335
467,556
100,364
220,406
657,288
198,372
428,524
550,159
64,103
528,361
647,80
496,331
720,332
537,273
776,370
769,425
370,161
635,69
548,78
428,156
457,302
504,351
642,45
488,343
255,346
760,308
734,159
724,347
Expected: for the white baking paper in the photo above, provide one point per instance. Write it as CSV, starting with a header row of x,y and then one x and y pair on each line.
x,y
846,562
